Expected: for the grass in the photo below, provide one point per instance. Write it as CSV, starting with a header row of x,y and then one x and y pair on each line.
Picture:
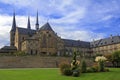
x,y
54,74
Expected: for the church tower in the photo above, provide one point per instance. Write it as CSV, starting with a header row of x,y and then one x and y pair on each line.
x,y
37,22
28,24
12,31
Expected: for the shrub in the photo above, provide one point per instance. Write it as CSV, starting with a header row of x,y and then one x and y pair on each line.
x,y
75,66
75,63
90,70
83,67
101,60
116,58
95,67
65,69
101,66
73,69
76,73
19,53
106,70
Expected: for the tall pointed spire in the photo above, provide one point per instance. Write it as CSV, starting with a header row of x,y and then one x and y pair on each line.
x,y
13,23
37,22
28,24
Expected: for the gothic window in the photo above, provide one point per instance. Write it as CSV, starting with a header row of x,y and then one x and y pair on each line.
x,y
36,52
49,35
105,42
31,52
22,38
47,32
44,41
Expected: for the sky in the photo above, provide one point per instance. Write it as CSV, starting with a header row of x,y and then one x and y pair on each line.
x,y
84,20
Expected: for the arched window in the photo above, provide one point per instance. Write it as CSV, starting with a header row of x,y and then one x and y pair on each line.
x,y
31,52
23,38
36,52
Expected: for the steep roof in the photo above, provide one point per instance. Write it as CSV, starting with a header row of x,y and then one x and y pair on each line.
x,y
28,24
106,41
46,27
25,31
76,43
13,23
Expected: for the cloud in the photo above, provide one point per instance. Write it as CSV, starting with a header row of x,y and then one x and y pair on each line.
x,y
64,32
73,19
6,24
71,33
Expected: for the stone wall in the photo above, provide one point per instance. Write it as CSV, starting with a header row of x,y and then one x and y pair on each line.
x,y
31,61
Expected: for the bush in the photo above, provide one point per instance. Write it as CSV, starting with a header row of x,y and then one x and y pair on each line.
x,y
65,69
83,67
90,70
76,73
19,53
106,70
95,67
101,60
101,66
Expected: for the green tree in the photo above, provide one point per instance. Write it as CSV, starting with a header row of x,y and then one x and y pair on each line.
x,y
116,59
83,66
75,65
74,61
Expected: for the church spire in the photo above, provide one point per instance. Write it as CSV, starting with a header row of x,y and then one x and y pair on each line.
x,y
28,24
13,23
37,22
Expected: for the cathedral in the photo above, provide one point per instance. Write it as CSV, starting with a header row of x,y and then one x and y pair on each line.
x,y
44,41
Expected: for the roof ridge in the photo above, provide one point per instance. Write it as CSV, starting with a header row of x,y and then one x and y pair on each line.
x,y
46,26
24,28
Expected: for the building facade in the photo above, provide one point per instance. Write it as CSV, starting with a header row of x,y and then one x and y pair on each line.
x,y
44,41
106,46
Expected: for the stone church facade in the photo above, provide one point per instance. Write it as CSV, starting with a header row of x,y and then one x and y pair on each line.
x,y
44,41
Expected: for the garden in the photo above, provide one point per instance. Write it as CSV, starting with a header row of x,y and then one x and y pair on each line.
x,y
76,70
54,74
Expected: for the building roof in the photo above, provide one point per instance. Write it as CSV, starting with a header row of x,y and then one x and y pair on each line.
x,y
76,43
46,27
9,48
13,23
106,41
28,24
26,31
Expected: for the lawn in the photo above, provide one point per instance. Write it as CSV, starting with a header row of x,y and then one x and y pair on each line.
x,y
54,74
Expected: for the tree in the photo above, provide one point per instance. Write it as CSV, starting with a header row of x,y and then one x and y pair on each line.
x,y
75,65
83,66
101,62
116,59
